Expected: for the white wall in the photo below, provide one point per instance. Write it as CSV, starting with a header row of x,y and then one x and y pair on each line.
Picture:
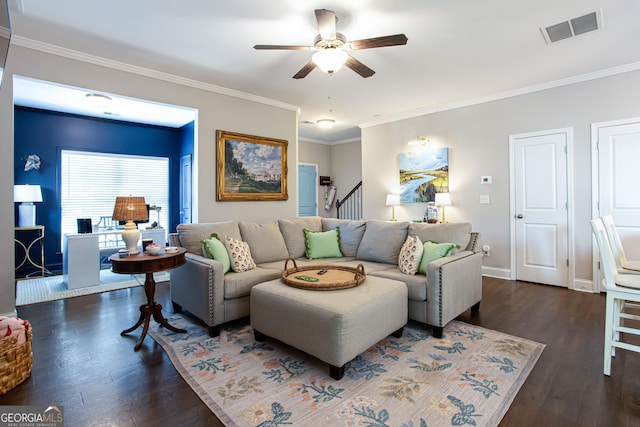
x,y
478,141
215,111
346,167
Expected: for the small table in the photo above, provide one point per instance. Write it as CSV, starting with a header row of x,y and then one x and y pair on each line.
x,y
148,264
37,236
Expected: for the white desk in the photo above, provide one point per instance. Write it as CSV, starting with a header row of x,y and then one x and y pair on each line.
x,y
82,252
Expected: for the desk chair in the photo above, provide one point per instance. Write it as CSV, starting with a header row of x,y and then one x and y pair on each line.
x,y
620,288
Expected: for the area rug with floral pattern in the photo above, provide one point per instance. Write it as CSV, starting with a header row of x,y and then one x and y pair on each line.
x,y
469,377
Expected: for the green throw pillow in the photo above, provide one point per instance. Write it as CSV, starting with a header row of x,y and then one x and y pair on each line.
x,y
433,251
213,248
322,244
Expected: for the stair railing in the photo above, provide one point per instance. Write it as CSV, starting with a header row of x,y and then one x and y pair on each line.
x,y
350,207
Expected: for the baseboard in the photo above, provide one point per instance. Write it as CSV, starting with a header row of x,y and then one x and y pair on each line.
x,y
11,314
499,273
583,285
580,285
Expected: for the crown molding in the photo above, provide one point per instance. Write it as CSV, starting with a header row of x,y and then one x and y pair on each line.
x,y
146,72
634,66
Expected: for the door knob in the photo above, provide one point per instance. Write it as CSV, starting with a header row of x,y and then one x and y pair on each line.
x,y
520,216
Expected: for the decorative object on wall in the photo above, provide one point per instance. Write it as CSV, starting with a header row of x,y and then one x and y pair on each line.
x,y
27,195
32,162
250,167
424,174
393,200
130,209
443,199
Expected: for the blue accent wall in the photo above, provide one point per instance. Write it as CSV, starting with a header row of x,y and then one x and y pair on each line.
x,y
46,133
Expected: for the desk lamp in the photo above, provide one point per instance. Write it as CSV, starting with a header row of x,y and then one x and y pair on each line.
x,y
130,209
26,195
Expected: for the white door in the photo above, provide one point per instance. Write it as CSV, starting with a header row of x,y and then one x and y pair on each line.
x,y
307,194
185,189
616,148
540,206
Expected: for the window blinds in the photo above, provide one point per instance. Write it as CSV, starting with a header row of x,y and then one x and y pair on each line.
x,y
90,183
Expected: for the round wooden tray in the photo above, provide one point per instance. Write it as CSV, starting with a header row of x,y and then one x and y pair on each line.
x,y
336,277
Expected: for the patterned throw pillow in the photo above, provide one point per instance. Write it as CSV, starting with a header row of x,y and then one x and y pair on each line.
x,y
410,255
239,255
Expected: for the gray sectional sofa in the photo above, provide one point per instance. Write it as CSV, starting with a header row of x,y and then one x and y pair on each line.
x,y
451,285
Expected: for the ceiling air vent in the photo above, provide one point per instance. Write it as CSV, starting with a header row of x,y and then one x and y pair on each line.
x,y
573,27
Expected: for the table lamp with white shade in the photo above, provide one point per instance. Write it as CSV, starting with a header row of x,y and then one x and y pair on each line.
x,y
443,199
27,195
393,200
130,209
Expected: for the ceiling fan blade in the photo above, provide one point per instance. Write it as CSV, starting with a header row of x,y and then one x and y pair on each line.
x,y
326,23
304,71
280,47
359,67
394,40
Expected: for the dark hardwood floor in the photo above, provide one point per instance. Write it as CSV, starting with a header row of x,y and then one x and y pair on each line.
x,y
81,362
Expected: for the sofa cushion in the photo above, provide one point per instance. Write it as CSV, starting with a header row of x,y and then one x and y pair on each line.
x,y
265,240
410,255
237,285
293,233
239,255
191,234
416,285
382,241
433,251
322,244
213,248
454,232
351,232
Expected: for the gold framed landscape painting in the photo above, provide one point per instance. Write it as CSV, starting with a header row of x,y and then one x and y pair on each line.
x,y
250,167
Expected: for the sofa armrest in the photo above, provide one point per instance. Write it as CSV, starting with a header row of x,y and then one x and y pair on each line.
x,y
454,284
473,241
198,287
174,239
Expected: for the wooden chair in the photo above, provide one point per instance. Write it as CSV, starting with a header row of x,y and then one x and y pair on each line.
x,y
623,265
620,288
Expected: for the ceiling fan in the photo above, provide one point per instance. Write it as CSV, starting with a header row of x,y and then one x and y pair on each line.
x,y
331,47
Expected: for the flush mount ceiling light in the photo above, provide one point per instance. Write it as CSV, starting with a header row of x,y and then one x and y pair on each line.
x,y
325,123
97,101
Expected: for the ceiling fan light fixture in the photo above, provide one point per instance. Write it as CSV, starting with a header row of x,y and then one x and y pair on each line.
x,y
325,123
98,101
330,60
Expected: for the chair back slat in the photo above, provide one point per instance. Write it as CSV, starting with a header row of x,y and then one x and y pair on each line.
x,y
614,240
607,260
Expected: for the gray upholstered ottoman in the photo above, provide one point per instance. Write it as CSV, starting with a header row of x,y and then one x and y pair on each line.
x,y
334,326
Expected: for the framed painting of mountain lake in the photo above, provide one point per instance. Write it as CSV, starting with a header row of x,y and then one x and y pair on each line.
x,y
250,167
423,174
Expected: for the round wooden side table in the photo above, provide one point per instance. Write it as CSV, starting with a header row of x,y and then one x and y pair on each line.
x,y
148,264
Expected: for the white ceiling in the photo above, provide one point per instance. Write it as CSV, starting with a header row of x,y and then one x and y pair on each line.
x,y
458,50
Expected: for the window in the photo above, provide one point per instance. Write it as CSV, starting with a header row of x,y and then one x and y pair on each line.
x,y
90,183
